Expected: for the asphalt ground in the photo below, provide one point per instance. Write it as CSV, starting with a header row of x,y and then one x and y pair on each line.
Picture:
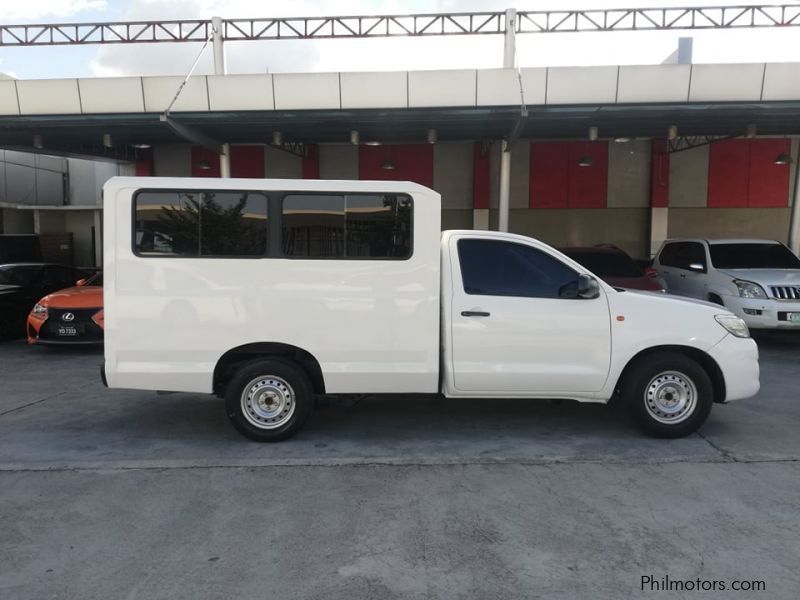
x,y
126,494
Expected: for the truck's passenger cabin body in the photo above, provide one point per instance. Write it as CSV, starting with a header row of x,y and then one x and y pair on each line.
x,y
349,287
371,323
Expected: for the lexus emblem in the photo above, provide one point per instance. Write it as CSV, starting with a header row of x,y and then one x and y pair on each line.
x,y
68,316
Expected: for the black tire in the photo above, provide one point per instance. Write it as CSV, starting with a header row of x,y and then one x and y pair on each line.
x,y
279,378
655,381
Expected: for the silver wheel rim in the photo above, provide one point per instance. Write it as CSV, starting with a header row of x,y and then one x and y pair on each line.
x,y
670,397
268,402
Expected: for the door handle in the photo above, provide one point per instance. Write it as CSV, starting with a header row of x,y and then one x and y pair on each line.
x,y
474,313
683,275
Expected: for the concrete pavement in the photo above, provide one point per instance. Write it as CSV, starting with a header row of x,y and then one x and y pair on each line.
x,y
120,494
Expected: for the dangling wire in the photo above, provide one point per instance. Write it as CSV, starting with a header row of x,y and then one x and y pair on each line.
x,y
194,65
523,108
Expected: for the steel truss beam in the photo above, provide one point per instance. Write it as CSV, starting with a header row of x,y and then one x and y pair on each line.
x,y
476,23
682,143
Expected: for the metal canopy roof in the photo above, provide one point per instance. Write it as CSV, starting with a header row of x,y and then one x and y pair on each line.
x,y
81,134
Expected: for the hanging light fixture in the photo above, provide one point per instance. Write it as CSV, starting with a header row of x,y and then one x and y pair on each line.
x,y
203,165
372,143
38,141
141,146
672,132
355,138
432,136
108,142
388,165
751,131
277,138
593,133
784,158
585,161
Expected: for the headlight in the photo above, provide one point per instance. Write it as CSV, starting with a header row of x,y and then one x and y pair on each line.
x,y
734,325
748,289
40,310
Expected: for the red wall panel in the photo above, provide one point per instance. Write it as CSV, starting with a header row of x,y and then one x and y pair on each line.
x,y
557,181
588,186
480,176
311,162
659,174
768,184
247,161
144,162
413,162
742,172
202,157
549,175
728,173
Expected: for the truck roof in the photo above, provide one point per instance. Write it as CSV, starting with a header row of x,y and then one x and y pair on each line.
x,y
291,185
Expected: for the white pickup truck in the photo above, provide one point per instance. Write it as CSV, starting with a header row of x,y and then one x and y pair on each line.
x,y
269,293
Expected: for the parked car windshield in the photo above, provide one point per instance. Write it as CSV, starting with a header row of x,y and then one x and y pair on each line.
x,y
752,256
96,279
607,264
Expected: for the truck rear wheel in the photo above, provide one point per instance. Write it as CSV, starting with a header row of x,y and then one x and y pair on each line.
x,y
269,400
668,394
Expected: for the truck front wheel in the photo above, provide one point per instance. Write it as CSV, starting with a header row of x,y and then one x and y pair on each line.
x,y
269,400
668,394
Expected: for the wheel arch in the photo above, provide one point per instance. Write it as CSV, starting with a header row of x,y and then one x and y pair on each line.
x,y
708,364
227,363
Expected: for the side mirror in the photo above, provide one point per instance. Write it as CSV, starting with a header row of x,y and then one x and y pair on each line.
x,y
588,288
698,267
81,282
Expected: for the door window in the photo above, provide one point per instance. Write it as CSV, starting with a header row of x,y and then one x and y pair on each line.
x,y
682,254
497,268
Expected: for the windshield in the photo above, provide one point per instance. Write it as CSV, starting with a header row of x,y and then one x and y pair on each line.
x,y
752,256
607,264
96,279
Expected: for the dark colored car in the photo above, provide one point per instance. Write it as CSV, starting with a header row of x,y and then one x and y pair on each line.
x,y
615,267
21,286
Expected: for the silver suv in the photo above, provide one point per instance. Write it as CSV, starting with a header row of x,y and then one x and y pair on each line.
x,y
759,280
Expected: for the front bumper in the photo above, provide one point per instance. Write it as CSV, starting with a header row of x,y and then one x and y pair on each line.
x,y
737,358
46,331
772,313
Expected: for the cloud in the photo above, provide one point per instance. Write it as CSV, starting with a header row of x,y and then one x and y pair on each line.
x,y
481,51
31,10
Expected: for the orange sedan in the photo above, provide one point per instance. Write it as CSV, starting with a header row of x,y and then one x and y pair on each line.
x,y
70,316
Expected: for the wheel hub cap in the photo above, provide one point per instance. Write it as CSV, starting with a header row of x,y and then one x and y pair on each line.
x,y
670,397
268,402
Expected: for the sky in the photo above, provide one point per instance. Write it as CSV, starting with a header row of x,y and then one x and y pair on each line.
x,y
485,51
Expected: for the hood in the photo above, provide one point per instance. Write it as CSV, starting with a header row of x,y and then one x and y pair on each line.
x,y
766,277
635,283
672,298
87,296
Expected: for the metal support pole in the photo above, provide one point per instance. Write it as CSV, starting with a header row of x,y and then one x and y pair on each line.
x,y
794,218
218,44
510,42
220,69
505,187
225,161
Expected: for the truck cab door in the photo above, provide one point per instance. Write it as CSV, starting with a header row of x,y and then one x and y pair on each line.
x,y
517,325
